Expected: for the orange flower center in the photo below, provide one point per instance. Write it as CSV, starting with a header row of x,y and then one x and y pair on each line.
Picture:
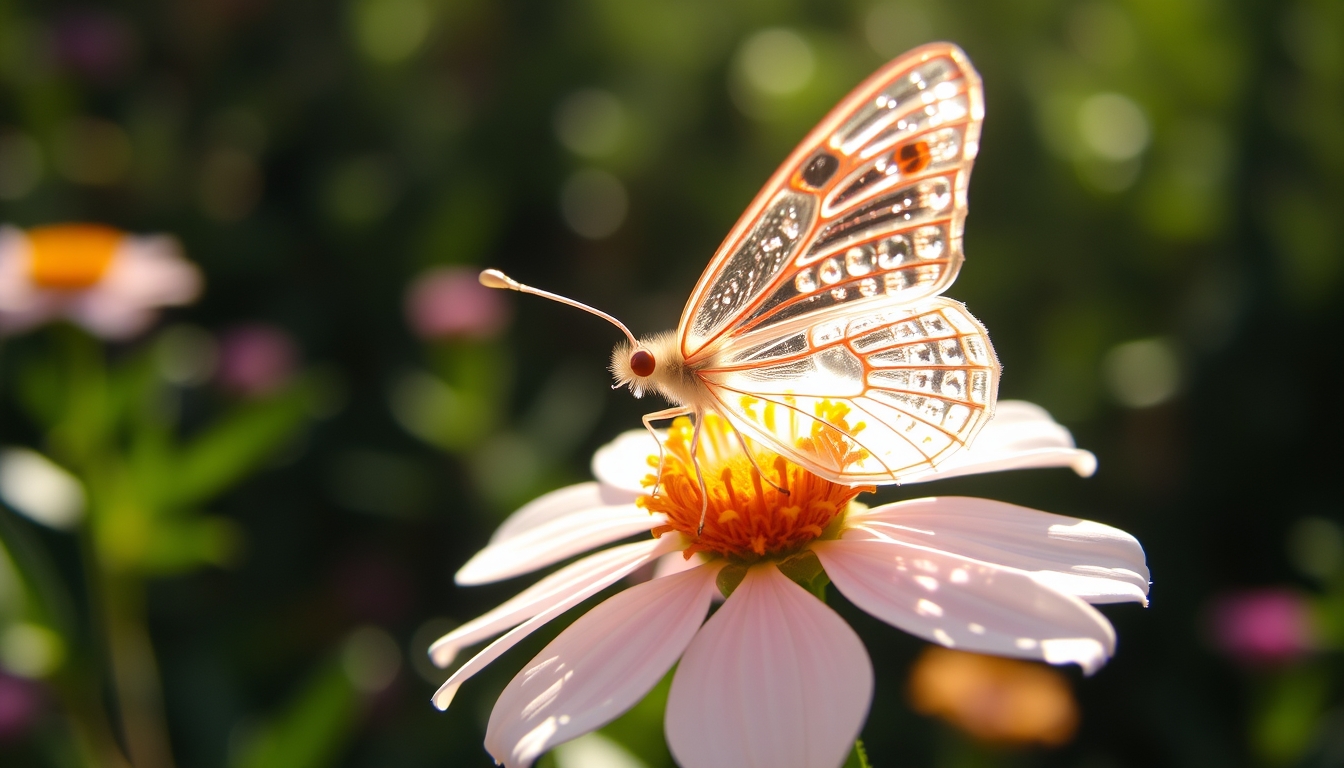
x,y
71,256
745,517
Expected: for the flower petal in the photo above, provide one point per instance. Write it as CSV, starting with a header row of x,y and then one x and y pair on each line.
x,y
566,587
147,272
600,666
624,462
967,604
557,504
554,541
676,562
1095,562
775,679
1020,436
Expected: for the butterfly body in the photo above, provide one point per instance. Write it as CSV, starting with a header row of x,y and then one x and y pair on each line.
x,y
820,315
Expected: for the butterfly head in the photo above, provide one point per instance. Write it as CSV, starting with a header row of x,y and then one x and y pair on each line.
x,y
650,364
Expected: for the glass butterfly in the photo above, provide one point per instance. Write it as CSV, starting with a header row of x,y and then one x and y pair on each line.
x,y
817,328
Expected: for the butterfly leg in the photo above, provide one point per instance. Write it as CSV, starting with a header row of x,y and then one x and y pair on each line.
x,y
742,441
648,419
699,476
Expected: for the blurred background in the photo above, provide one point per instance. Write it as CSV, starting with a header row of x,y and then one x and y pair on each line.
x,y
272,488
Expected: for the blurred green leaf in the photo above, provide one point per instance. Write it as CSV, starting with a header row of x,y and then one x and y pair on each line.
x,y
49,600
1288,711
180,545
234,446
311,730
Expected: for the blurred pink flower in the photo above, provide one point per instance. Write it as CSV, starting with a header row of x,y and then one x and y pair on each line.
x,y
449,302
775,677
96,44
1262,626
256,359
108,281
21,702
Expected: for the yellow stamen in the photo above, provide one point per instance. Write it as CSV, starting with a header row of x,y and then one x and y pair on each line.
x,y
745,517
71,256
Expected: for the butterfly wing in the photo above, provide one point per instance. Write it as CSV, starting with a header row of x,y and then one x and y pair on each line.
x,y
869,208
816,328
870,397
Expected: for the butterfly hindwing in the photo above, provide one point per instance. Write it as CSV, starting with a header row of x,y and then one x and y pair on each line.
x,y
870,396
869,208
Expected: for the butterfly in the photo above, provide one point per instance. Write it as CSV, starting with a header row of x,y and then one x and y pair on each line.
x,y
819,320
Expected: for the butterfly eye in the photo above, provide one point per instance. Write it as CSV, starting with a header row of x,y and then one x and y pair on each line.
x,y
642,362
820,169
914,157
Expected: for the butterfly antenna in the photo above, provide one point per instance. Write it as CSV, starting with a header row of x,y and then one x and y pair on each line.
x,y
493,278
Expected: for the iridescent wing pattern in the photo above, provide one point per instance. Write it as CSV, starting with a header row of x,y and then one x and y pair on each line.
x,y
874,396
817,327
870,207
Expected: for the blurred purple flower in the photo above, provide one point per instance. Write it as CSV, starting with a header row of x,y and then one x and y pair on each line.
x,y
256,359
21,702
93,43
1262,626
449,302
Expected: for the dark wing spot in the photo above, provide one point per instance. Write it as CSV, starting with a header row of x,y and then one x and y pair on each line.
x,y
914,157
820,169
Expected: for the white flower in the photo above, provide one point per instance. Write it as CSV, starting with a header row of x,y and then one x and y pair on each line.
x,y
108,281
775,677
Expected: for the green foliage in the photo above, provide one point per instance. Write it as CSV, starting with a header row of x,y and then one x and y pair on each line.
x,y
225,452
311,729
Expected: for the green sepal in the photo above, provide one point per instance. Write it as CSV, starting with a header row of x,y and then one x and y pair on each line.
x,y
729,577
804,569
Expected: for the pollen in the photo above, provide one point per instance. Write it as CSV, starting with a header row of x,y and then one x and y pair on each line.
x,y
746,516
71,256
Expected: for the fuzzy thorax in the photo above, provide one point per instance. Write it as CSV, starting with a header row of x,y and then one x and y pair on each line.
x,y
671,377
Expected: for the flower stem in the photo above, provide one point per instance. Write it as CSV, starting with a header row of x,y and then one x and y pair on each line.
x,y
135,674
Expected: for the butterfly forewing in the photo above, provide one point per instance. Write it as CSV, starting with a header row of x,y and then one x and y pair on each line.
x,y
869,397
869,208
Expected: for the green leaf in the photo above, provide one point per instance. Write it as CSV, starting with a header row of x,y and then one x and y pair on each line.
x,y
50,599
859,757
235,446
311,730
181,545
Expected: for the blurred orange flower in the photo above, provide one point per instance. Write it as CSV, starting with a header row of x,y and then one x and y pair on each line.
x,y
994,699
108,281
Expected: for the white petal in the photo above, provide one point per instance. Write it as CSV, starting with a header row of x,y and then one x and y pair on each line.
x,y
624,462
676,562
1095,562
147,272
23,304
554,541
599,667
775,679
967,604
568,586
445,693
17,291
150,270
1020,436
557,504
